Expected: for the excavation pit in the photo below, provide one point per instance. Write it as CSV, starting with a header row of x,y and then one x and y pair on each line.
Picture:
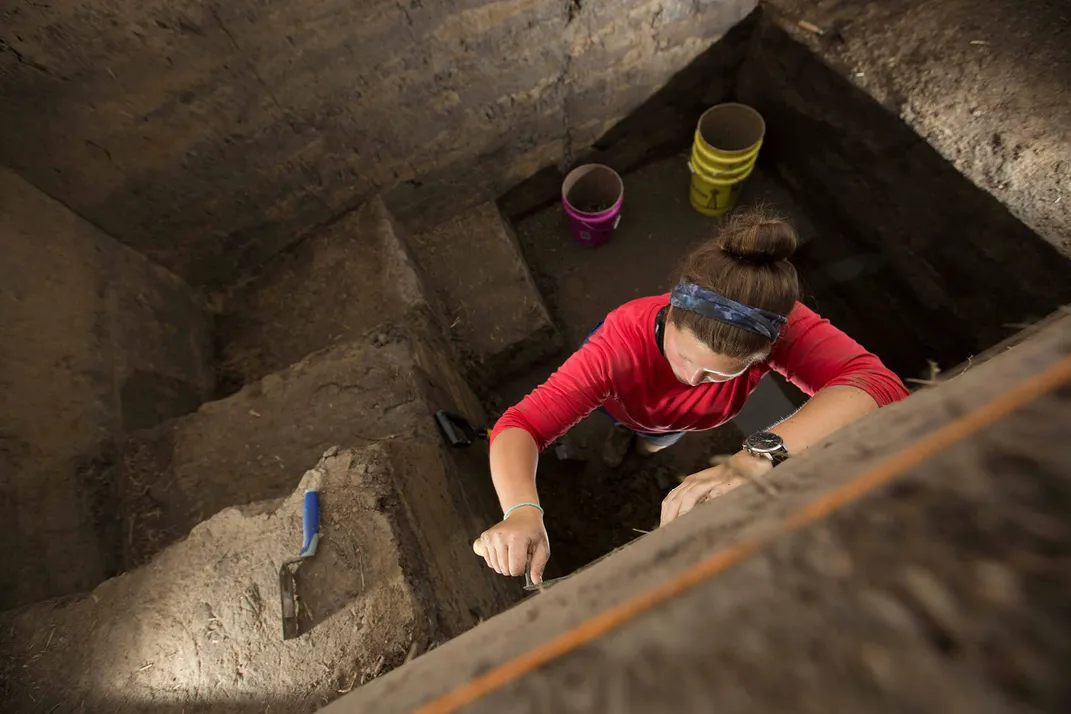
x,y
357,285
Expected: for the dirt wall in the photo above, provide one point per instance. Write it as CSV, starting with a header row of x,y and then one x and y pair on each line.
x,y
983,81
211,136
958,272
94,341
495,315
342,280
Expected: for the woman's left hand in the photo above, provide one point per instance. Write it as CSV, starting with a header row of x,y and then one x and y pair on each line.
x,y
711,483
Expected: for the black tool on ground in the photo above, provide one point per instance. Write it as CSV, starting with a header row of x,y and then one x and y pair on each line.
x,y
310,527
457,430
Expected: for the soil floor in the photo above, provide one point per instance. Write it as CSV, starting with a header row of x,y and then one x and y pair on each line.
x,y
592,509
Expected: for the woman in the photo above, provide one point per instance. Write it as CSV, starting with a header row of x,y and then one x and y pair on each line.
x,y
686,361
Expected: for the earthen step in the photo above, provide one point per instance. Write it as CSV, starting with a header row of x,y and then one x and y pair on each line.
x,y
331,287
905,564
249,447
492,307
199,627
95,340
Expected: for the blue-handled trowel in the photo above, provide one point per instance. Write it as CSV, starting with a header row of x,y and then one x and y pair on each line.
x,y
310,527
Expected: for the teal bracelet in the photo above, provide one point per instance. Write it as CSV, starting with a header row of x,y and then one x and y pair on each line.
x,y
522,505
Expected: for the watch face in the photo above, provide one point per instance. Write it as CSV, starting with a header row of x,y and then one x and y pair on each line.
x,y
764,442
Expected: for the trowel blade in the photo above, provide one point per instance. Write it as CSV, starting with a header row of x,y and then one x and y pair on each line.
x,y
543,585
530,585
288,599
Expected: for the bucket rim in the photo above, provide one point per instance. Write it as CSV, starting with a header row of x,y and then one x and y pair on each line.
x,y
574,176
746,109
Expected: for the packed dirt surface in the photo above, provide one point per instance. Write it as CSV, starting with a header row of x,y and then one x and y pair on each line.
x,y
199,628
248,446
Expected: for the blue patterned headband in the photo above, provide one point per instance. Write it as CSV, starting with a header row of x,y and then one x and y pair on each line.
x,y
689,296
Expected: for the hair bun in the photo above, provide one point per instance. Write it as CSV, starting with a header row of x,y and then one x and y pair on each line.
x,y
758,239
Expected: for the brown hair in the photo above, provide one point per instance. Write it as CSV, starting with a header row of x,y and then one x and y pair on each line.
x,y
746,262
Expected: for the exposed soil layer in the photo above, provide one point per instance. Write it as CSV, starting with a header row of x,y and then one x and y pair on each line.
x,y
492,309
329,289
95,340
984,83
952,270
212,137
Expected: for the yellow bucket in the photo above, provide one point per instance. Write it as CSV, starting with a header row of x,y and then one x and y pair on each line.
x,y
727,142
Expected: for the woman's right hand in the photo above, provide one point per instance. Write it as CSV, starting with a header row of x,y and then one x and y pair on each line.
x,y
506,546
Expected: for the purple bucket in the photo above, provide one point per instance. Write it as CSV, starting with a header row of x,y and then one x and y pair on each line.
x,y
592,195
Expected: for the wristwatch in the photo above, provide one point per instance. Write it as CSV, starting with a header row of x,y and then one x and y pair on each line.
x,y
767,445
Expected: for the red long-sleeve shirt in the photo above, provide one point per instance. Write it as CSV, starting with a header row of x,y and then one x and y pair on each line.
x,y
621,368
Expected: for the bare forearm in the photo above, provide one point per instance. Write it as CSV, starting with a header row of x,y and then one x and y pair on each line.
x,y
514,456
826,412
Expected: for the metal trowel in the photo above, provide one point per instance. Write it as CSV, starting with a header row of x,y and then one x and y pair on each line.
x,y
310,528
